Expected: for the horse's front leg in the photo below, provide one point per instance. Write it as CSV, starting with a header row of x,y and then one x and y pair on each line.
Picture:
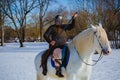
x,y
85,75
39,77
85,78
71,77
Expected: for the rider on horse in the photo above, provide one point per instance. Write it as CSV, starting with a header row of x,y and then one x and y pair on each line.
x,y
56,36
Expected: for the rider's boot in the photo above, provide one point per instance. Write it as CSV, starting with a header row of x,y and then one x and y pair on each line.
x,y
44,62
58,72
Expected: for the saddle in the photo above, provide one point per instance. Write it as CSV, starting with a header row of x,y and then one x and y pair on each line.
x,y
65,58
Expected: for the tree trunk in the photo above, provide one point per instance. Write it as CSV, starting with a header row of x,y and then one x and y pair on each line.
x,y
20,40
21,43
118,39
41,27
2,28
2,34
115,39
23,31
23,34
19,37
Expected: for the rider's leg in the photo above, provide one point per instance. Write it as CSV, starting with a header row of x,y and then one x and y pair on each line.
x,y
57,57
44,62
45,58
59,72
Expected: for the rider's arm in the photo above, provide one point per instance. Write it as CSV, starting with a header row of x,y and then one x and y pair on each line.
x,y
71,23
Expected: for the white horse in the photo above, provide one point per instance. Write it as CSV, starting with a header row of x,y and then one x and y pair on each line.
x,y
82,47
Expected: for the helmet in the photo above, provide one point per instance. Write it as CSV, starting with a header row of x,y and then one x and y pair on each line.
x,y
58,19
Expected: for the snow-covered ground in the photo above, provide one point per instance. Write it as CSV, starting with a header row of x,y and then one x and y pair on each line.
x,y
18,63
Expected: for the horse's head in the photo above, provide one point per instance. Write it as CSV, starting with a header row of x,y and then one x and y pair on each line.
x,y
101,40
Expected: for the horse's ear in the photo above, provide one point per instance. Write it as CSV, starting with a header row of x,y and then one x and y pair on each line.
x,y
100,25
94,27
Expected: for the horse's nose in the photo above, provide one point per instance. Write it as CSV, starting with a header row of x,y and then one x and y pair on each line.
x,y
105,51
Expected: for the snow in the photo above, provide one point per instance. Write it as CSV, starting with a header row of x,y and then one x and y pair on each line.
x,y
18,63
108,68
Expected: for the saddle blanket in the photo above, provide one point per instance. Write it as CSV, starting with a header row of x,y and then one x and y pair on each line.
x,y
64,56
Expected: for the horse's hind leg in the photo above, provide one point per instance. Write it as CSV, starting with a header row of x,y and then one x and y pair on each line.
x,y
38,77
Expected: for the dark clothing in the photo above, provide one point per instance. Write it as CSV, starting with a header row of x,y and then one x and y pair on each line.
x,y
57,33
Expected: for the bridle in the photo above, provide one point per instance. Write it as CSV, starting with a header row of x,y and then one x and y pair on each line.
x,y
102,49
100,57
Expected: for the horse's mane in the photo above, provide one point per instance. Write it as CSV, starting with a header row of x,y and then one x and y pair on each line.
x,y
84,33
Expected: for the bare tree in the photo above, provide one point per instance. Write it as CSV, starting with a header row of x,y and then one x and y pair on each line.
x,y
2,16
111,20
17,10
43,7
35,20
105,11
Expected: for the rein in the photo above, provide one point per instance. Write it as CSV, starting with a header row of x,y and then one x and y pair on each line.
x,y
95,61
